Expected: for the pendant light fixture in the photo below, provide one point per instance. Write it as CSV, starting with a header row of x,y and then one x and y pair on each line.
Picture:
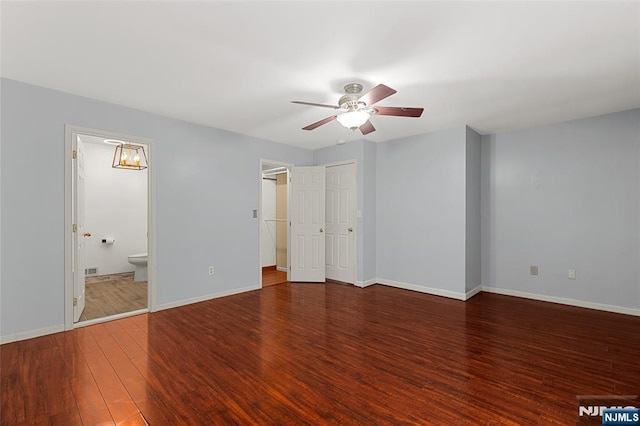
x,y
129,156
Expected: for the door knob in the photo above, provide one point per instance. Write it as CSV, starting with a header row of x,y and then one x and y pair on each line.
x,y
321,230
87,234
350,229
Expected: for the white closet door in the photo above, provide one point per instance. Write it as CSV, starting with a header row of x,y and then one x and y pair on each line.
x,y
307,224
340,220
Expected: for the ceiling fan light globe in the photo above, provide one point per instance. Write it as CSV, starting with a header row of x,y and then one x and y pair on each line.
x,y
353,119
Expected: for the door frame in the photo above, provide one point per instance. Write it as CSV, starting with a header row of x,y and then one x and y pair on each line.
x,y
71,133
277,164
354,250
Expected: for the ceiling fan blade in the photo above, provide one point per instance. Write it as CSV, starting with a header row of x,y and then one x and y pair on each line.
x,y
319,123
367,128
314,104
399,111
376,94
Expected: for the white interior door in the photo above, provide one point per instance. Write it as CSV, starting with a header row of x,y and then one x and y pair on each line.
x,y
80,234
307,224
340,221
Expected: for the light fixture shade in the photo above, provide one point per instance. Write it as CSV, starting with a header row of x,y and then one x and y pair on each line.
x,y
129,156
353,119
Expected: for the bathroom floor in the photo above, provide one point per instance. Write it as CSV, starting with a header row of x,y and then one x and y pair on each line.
x,y
113,294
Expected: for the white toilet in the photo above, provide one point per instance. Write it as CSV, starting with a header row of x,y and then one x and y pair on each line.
x,y
139,260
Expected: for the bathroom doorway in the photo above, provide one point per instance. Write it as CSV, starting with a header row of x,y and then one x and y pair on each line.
x,y
108,274
274,229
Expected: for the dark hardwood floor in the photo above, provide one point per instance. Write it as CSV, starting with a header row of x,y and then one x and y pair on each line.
x,y
326,354
271,276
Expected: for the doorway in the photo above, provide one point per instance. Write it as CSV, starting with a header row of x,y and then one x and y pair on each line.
x,y
109,216
274,219
320,224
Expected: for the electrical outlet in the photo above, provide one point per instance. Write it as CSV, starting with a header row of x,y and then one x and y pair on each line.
x,y
211,270
533,270
572,274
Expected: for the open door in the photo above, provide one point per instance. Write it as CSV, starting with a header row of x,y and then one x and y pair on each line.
x,y
307,212
80,234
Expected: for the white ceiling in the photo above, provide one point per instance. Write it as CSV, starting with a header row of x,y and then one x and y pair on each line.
x,y
235,65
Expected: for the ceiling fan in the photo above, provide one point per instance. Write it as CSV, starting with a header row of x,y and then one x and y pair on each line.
x,y
356,109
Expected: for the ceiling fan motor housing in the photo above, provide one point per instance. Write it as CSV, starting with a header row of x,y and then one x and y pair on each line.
x,y
349,101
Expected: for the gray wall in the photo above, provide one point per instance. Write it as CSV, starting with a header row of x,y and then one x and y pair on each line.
x,y
370,184
364,154
473,247
420,199
207,185
564,196
560,196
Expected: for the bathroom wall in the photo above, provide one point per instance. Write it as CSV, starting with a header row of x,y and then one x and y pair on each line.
x,y
268,225
115,206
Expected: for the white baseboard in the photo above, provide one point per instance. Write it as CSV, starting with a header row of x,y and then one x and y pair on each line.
x,y
564,301
422,289
58,328
205,297
366,283
281,268
16,337
110,318
429,290
544,298
472,292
